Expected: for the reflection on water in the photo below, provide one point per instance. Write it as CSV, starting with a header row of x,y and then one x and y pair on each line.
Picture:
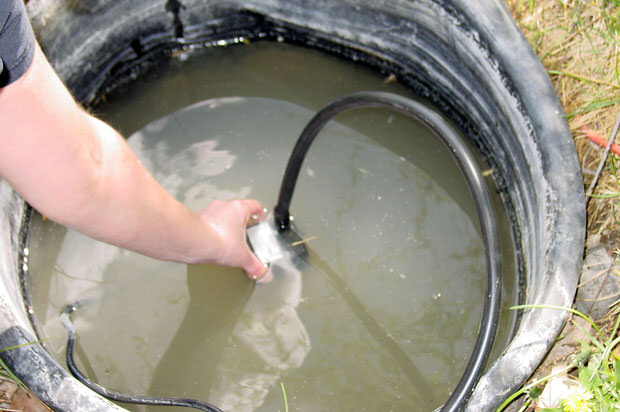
x,y
226,316
382,315
273,336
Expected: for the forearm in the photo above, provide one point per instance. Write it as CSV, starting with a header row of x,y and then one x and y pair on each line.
x,y
79,172
120,202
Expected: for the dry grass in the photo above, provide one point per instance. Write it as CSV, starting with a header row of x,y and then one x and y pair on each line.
x,y
578,42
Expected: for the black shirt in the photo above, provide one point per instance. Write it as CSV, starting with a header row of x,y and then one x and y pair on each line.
x,y
16,41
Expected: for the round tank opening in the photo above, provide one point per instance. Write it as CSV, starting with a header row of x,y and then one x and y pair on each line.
x,y
396,269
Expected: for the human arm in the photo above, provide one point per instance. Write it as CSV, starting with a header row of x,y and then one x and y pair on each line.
x,y
80,172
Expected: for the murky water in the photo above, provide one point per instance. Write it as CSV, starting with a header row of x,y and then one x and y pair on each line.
x,y
382,316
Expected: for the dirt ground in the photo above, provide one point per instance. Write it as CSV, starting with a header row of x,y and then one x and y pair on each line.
x,y
12,398
578,44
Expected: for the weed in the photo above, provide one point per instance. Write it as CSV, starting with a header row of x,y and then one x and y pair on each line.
x,y
595,372
5,371
284,396
578,42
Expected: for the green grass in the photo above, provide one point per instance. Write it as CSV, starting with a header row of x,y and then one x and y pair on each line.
x,y
595,370
284,396
5,371
612,18
577,39
578,43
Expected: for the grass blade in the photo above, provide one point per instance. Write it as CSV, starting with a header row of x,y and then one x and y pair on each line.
x,y
284,396
571,310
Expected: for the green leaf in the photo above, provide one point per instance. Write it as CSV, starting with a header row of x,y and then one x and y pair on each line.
x,y
584,355
605,404
535,392
589,378
551,410
617,374
12,376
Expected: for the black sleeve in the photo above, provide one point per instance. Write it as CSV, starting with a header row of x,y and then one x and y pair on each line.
x,y
16,41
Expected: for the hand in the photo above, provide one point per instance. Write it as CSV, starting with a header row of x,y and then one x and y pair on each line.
x,y
229,219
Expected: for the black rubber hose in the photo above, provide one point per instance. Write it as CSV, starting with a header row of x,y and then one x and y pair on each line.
x,y
484,208
65,319
475,181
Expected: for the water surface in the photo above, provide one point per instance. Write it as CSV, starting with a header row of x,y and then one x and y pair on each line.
x,y
385,311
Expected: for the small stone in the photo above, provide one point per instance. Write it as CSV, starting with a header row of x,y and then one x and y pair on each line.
x,y
599,287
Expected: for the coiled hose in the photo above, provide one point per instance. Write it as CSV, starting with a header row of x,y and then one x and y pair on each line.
x,y
65,319
486,215
484,209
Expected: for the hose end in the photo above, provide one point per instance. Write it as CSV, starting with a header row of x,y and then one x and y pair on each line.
x,y
282,219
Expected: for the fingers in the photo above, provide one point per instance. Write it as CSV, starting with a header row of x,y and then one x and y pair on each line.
x,y
252,209
258,271
230,220
266,278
